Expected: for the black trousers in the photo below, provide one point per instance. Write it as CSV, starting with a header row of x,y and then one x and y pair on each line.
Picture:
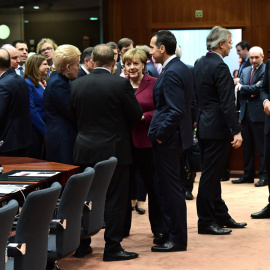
x,y
210,206
253,134
169,190
267,159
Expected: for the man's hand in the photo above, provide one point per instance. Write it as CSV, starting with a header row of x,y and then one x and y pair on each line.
x,y
158,141
238,87
236,80
266,106
237,140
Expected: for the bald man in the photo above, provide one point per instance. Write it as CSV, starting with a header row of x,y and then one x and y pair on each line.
x,y
14,55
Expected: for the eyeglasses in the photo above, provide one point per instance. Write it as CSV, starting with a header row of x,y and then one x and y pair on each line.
x,y
46,49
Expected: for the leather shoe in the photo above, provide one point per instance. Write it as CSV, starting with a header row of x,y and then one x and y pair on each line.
x,y
160,239
214,229
265,213
231,223
188,195
242,180
169,246
81,253
261,183
139,210
120,255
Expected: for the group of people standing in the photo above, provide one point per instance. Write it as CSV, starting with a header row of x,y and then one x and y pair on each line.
x,y
91,118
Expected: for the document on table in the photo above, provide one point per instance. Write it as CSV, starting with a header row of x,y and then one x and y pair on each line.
x,y
6,189
34,174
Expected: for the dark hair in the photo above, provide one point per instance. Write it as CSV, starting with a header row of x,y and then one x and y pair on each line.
x,y
124,42
4,61
103,55
243,44
112,44
87,53
14,43
167,39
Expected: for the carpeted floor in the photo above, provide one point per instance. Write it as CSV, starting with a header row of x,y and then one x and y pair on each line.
x,y
244,249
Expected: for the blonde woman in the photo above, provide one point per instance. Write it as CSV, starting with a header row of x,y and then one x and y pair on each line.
x,y
61,132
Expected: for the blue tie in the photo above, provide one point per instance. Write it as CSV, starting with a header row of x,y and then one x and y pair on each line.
x,y
21,71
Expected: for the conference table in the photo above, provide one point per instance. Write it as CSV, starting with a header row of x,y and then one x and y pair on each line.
x,y
13,165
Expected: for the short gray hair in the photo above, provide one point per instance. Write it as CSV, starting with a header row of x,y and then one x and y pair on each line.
x,y
217,35
256,49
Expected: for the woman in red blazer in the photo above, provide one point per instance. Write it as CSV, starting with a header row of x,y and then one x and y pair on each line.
x,y
134,61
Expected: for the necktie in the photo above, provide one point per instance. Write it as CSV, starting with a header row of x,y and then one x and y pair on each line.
x,y
21,71
241,67
252,74
51,69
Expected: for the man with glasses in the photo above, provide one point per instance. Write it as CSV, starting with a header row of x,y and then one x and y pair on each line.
x,y
46,47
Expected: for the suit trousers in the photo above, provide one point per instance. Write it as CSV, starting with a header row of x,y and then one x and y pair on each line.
x,y
253,134
210,206
267,159
169,191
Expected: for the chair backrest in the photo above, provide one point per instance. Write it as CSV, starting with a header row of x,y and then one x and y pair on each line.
x,y
70,208
93,219
7,216
33,227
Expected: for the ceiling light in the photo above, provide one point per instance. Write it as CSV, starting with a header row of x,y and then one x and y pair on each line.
x,y
93,19
35,7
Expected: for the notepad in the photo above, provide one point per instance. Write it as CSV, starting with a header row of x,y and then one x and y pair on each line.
x,y
6,189
33,174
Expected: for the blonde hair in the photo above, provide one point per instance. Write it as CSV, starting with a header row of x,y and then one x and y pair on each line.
x,y
139,53
32,68
46,40
64,55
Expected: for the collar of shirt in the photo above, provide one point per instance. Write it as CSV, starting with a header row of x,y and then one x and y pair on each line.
x,y
168,60
2,74
256,67
83,68
102,68
216,53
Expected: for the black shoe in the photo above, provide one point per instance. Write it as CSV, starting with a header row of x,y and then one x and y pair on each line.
x,y
160,239
226,176
120,255
188,195
214,229
169,246
261,183
242,180
139,210
265,213
231,223
81,253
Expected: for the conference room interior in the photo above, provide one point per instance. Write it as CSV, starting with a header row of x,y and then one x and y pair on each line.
x,y
66,22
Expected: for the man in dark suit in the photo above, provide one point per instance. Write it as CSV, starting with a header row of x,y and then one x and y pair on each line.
x,y
15,123
87,64
265,97
217,127
124,44
105,109
170,133
252,118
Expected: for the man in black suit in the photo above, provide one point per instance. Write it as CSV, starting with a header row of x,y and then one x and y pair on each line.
x,y
87,64
265,97
252,118
170,133
218,129
124,44
15,123
105,109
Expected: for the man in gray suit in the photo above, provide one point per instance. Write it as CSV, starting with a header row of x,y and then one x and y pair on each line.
x,y
252,117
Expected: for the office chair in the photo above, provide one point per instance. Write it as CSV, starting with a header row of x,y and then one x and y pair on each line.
x,y
64,238
7,215
93,211
32,230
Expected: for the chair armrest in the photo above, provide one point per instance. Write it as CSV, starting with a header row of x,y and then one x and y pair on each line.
x,y
62,222
88,205
16,246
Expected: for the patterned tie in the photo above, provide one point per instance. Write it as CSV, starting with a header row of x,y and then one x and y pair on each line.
x,y
21,71
252,74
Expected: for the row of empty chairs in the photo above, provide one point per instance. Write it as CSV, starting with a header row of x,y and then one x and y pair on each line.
x,y
40,241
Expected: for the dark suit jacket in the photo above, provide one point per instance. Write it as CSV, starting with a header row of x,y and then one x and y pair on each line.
x,y
15,123
172,98
152,69
81,73
247,64
61,132
255,106
105,109
217,118
118,69
265,94
144,95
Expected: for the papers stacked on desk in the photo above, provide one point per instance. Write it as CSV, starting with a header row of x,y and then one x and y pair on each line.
x,y
33,174
6,189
